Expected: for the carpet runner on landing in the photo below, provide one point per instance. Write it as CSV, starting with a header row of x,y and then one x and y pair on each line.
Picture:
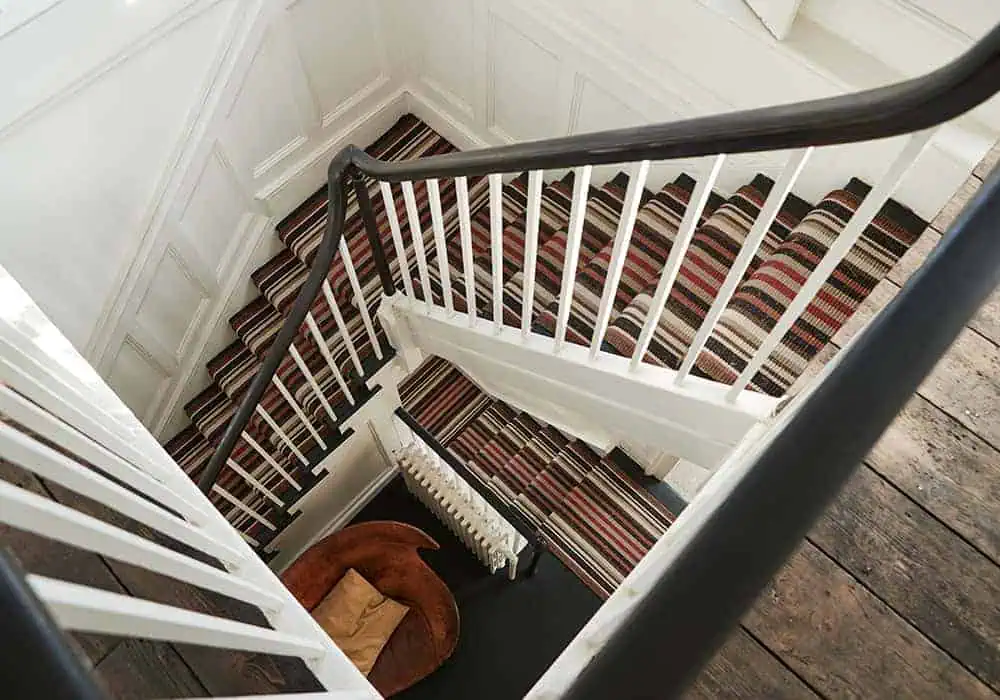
x,y
596,519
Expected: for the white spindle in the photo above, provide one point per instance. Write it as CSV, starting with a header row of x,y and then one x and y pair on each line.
x,y
768,213
24,510
417,235
37,358
242,507
35,419
397,238
440,245
311,380
87,609
282,435
692,215
465,230
841,246
532,216
46,463
342,328
325,352
299,413
359,297
619,251
60,402
577,216
496,247
271,461
254,483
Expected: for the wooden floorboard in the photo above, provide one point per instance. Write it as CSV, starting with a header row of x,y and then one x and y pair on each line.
x,y
919,567
966,385
139,669
946,468
743,668
39,555
845,642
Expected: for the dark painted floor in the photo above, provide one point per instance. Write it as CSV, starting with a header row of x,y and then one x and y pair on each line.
x,y
511,631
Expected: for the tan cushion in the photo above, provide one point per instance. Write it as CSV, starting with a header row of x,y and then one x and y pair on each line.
x,y
359,619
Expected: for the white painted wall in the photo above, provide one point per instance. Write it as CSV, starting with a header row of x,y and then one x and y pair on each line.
x,y
148,148
516,70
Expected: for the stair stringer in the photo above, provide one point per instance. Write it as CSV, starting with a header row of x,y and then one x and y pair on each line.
x,y
692,421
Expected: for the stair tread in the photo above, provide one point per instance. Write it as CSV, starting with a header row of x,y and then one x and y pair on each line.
x,y
764,295
592,515
712,251
657,223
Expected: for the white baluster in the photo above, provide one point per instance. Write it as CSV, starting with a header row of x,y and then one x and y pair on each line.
x,y
768,213
49,464
273,425
440,245
577,215
342,328
692,215
311,380
465,230
496,247
417,235
841,246
87,609
61,402
24,510
397,238
359,298
299,413
325,352
19,409
254,483
242,507
530,248
619,251
271,461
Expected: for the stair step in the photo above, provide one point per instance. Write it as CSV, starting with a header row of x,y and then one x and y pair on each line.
x,y
712,251
655,230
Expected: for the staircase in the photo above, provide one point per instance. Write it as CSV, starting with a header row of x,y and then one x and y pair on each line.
x,y
649,308
329,372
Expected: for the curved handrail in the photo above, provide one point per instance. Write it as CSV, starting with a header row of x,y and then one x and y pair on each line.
x,y
912,105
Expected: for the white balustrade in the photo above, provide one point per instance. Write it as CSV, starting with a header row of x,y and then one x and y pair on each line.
x,y
869,207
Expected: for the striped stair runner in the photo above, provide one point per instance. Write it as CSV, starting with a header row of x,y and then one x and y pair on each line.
x,y
596,519
795,243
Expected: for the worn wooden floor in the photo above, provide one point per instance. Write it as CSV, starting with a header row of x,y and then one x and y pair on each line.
x,y
896,591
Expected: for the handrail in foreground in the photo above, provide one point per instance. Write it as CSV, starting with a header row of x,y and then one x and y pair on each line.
x,y
915,104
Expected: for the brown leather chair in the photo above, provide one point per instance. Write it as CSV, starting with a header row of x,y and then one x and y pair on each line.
x,y
386,554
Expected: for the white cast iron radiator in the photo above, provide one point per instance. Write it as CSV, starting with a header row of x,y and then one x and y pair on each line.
x,y
466,513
